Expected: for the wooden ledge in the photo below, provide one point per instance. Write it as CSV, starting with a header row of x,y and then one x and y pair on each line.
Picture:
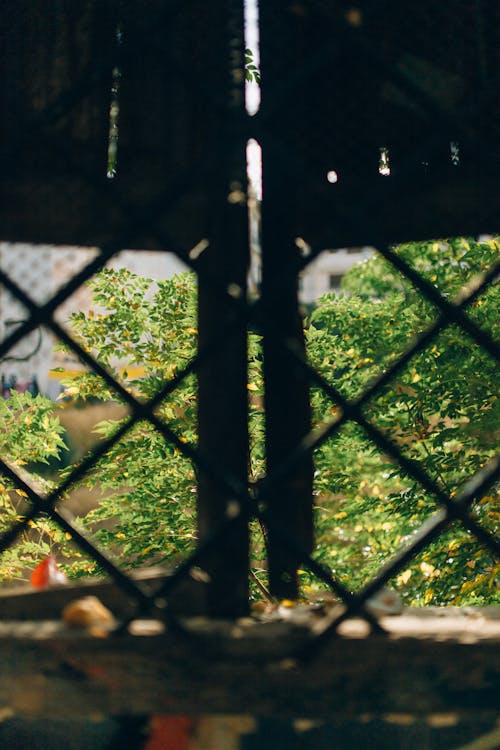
x,y
432,661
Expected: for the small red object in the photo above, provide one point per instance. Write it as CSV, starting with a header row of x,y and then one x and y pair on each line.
x,y
47,574
169,733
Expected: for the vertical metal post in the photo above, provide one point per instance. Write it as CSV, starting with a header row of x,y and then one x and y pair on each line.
x,y
222,382
286,386
184,149
286,397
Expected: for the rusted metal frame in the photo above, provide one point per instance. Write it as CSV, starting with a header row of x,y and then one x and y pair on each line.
x,y
475,293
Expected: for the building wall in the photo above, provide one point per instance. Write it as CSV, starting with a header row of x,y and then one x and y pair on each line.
x,y
40,271
324,274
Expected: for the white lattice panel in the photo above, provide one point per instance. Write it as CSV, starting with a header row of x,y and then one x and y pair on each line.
x,y
40,271
30,268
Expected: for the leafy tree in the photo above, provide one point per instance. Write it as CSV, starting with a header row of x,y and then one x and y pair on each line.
x,y
441,410
29,434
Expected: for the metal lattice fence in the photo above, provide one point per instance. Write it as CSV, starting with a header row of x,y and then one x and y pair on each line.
x,y
373,129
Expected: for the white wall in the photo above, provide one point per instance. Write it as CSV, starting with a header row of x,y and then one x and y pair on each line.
x,y
316,279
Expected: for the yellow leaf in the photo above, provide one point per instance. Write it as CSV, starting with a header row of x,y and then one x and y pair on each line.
x,y
358,528
404,577
342,514
427,569
252,387
428,596
467,586
146,550
22,493
120,536
67,535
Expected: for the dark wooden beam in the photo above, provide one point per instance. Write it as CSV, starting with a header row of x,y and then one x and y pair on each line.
x,y
340,82
56,68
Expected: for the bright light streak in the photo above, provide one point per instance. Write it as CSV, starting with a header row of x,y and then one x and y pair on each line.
x,y
252,90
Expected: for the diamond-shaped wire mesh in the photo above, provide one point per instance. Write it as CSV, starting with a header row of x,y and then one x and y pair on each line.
x,y
366,91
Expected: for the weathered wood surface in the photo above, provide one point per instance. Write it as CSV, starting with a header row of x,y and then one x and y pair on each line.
x,y
432,661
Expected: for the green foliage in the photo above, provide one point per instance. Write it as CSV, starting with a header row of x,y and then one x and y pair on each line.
x,y
144,334
252,73
29,433
440,410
